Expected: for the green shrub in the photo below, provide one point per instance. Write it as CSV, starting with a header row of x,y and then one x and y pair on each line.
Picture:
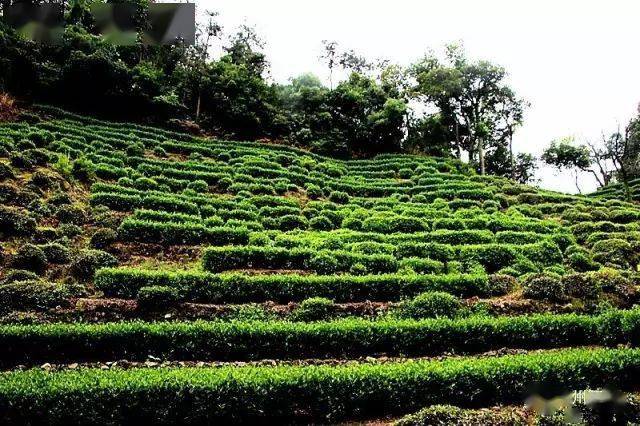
x,y
85,263
280,188
169,233
92,394
314,191
451,415
582,261
103,238
502,283
358,269
563,240
431,305
29,257
545,253
56,253
246,339
492,256
19,275
581,286
63,165
614,252
405,173
321,223
419,198
69,230
314,309
224,157
21,161
214,221
198,186
555,269
145,184
135,150
352,223
31,295
157,297
251,312
25,144
423,266
544,287
511,272
42,180
125,181
15,222
83,169
291,222
6,146
39,156
324,263
196,156
60,198
435,251
610,280
6,172
45,235
339,197
40,138
38,208
158,151
73,214
525,266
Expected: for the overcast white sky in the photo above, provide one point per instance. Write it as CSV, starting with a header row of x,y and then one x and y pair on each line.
x,y
576,61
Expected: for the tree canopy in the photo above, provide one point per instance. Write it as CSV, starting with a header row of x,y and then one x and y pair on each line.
x,y
223,85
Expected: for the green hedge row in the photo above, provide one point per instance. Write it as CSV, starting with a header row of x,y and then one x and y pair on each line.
x,y
302,393
248,211
492,257
146,231
238,288
346,338
218,259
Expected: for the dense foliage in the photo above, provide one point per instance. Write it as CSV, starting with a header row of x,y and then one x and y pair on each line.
x,y
371,111
122,241
254,394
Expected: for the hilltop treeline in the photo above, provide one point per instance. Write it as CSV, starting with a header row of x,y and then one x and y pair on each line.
x,y
473,111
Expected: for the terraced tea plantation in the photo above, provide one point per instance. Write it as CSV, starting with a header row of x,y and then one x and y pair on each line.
x,y
619,191
153,275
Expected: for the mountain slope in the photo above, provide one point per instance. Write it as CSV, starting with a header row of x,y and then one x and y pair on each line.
x,y
231,253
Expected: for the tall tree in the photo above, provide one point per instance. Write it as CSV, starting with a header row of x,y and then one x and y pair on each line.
x,y
331,57
198,57
510,115
565,154
352,61
473,93
614,158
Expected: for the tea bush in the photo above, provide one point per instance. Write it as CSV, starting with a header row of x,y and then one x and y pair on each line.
x,y
157,297
29,257
85,263
314,309
431,305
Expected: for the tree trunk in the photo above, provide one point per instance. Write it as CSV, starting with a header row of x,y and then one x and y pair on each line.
x,y
458,148
625,182
198,105
577,185
481,156
601,183
513,162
